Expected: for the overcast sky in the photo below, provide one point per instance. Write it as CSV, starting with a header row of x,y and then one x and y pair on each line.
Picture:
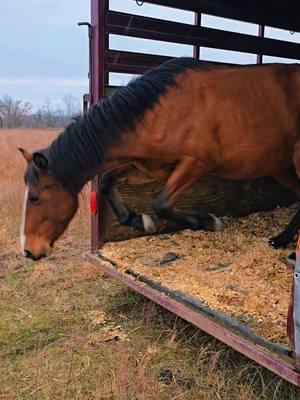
x,y
44,54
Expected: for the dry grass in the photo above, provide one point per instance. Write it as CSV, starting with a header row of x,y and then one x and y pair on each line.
x,y
66,332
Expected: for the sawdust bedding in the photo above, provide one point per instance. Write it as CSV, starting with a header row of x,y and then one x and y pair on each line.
x,y
234,271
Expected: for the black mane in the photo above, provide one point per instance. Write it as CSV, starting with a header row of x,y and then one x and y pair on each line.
x,y
78,153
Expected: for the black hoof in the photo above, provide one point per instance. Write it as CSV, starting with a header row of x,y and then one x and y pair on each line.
x,y
278,242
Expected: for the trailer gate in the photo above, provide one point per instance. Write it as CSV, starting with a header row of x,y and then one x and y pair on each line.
x,y
104,22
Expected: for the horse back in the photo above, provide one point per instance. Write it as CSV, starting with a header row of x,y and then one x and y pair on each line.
x,y
229,116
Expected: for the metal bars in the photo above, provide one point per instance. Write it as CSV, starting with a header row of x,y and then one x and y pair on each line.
x,y
275,13
175,32
261,34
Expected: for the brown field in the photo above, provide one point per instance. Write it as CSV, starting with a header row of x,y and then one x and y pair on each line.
x,y
66,332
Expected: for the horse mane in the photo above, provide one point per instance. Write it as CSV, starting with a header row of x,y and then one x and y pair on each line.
x,y
76,155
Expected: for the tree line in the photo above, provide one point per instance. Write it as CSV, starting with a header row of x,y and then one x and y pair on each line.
x,y
20,114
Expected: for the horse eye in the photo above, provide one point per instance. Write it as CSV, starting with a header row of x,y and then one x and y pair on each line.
x,y
33,198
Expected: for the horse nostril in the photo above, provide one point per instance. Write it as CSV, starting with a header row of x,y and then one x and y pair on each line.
x,y
28,255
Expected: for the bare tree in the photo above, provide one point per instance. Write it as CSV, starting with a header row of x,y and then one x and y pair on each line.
x,y
71,105
13,112
17,113
48,114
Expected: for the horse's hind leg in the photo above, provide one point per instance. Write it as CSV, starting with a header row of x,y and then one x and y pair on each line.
x,y
288,178
122,213
187,172
288,234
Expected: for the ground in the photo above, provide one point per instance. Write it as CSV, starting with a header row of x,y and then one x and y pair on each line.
x,y
67,332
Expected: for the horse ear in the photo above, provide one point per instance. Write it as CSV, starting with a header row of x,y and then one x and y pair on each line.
x,y
40,161
26,154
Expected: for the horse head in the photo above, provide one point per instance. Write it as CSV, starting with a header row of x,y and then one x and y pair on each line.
x,y
48,207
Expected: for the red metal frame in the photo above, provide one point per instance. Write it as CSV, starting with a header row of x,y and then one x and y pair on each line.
x,y
98,79
104,60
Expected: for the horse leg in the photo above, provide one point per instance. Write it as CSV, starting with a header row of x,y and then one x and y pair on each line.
x,y
186,173
122,213
290,180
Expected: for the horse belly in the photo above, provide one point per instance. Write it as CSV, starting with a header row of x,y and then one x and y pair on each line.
x,y
246,164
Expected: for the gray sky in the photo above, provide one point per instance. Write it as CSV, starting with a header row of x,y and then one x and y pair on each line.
x,y
43,52
45,55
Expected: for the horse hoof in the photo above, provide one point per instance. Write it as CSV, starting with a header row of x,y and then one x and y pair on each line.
x,y
217,225
209,222
148,223
278,242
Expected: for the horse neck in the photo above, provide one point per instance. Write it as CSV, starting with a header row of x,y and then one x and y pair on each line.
x,y
76,156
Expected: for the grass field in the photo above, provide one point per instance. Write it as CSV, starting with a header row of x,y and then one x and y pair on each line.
x,y
66,332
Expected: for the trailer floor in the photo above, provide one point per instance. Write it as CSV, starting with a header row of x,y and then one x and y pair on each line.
x,y
234,271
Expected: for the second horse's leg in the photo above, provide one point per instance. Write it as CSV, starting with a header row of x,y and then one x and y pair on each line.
x,y
289,179
185,175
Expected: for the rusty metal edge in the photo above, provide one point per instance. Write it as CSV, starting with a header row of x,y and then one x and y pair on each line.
x,y
224,320
260,355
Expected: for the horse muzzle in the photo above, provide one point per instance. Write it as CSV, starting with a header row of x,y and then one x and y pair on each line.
x,y
37,256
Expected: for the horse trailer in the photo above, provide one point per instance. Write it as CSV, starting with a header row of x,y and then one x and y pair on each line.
x,y
151,264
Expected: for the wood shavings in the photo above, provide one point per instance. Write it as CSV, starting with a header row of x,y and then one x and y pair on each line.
x,y
105,330
234,271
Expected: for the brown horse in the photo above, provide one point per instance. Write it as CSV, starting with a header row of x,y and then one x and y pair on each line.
x,y
179,122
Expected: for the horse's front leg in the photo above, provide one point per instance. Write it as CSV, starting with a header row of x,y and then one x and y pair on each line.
x,y
185,175
123,214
